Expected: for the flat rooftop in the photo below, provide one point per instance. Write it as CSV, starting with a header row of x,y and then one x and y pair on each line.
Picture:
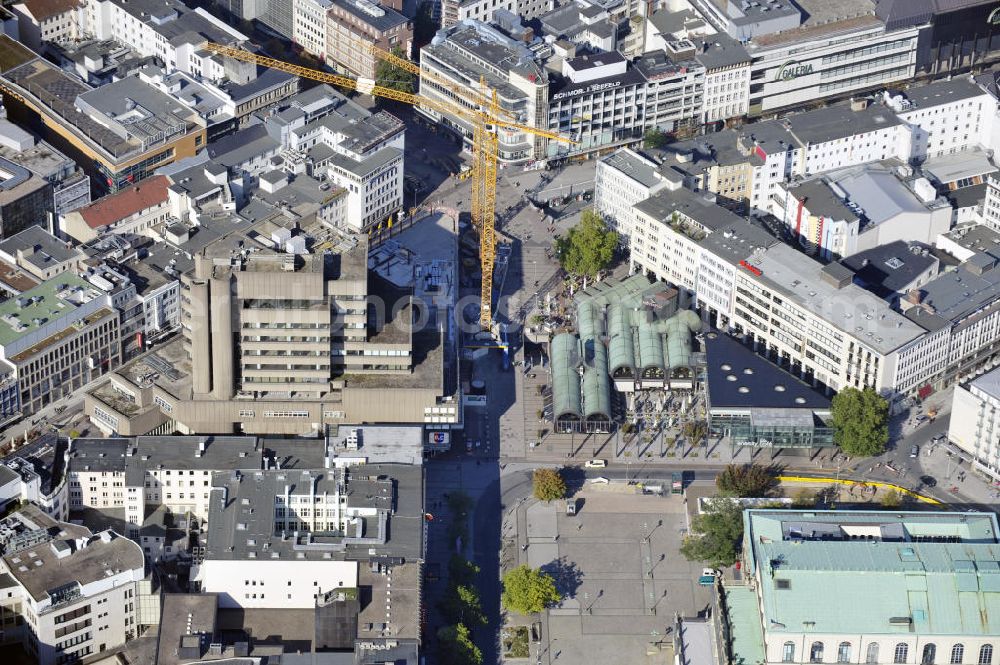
x,y
58,91
40,571
989,383
401,444
821,18
740,378
947,169
837,122
821,200
39,248
37,307
942,92
634,166
926,573
393,491
704,210
184,614
976,238
851,309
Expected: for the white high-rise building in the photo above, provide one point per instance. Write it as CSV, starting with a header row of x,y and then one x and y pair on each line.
x,y
975,421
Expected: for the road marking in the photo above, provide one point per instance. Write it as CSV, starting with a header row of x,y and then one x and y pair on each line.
x,y
871,483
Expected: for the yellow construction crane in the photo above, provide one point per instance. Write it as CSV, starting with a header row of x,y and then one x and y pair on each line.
x,y
486,117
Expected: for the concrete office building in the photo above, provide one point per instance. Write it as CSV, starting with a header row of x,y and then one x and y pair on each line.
x,y
600,100
623,179
360,152
961,310
975,421
945,117
352,24
685,239
726,61
77,592
324,310
795,557
143,474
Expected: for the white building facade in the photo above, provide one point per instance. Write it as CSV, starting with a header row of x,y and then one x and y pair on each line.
x,y
975,421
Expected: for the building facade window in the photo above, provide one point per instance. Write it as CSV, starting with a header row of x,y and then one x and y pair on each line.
x,y
816,652
844,652
930,651
901,651
871,656
986,654
957,653
788,652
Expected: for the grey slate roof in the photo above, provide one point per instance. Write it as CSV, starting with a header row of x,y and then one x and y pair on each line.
x,y
889,268
837,122
663,204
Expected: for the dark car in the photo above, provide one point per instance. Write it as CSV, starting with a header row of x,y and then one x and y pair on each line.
x,y
929,481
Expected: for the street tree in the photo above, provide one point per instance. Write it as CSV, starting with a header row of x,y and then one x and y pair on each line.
x,y
860,422
527,590
695,431
892,499
655,138
548,484
461,604
716,534
588,248
746,480
392,76
462,571
456,646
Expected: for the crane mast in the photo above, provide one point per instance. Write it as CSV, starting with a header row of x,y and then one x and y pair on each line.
x,y
486,122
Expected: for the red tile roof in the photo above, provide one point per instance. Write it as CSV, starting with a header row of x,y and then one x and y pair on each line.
x,y
125,203
43,9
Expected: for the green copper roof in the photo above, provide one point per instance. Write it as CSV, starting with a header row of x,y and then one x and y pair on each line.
x,y
596,382
877,573
744,618
565,378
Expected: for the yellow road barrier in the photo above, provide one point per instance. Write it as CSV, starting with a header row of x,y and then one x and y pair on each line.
x,y
866,483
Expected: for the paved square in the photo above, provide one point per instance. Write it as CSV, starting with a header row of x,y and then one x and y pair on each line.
x,y
622,576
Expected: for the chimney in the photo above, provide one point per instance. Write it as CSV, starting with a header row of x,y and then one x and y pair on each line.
x,y
914,296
